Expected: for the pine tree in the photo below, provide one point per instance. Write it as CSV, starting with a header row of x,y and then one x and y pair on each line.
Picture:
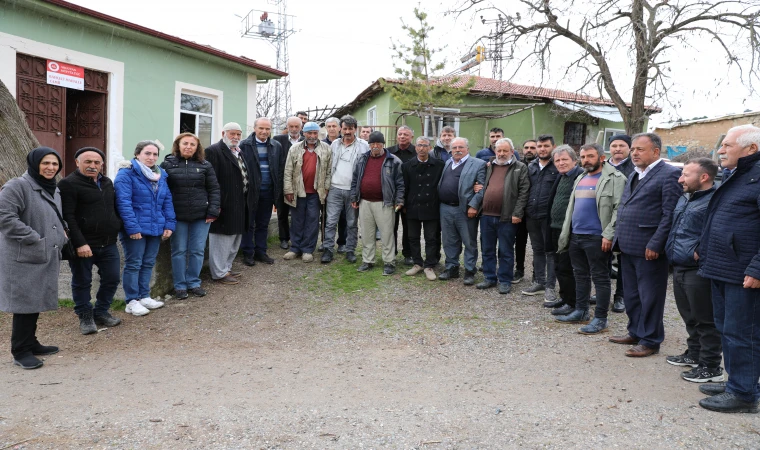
x,y
420,90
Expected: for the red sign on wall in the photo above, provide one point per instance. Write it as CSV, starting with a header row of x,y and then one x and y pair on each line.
x,y
65,75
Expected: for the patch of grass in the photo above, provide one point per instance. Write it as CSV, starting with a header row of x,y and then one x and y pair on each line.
x,y
342,278
117,305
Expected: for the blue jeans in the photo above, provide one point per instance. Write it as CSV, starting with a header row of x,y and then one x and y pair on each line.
x,y
108,261
188,245
139,259
491,230
255,239
737,317
456,230
305,227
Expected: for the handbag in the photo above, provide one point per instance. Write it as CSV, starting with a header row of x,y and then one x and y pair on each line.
x,y
68,252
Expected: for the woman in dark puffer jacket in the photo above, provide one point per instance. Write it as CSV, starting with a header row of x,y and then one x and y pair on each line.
x,y
195,192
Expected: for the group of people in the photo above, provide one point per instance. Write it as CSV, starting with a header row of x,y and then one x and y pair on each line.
x,y
584,214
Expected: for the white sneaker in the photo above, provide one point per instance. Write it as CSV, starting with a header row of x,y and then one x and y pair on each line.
x,y
307,257
290,255
136,309
150,303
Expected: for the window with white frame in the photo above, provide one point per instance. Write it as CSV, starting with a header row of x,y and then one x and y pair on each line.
x,y
608,133
196,115
372,116
442,120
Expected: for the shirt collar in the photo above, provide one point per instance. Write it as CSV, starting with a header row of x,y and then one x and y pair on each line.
x,y
455,164
644,172
258,141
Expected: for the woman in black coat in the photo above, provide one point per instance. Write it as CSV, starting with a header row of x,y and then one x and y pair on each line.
x,y
195,193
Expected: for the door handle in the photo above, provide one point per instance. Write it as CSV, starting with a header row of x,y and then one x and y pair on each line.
x,y
58,133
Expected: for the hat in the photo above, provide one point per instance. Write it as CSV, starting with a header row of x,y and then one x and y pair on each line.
x,y
90,149
375,137
621,137
310,126
231,126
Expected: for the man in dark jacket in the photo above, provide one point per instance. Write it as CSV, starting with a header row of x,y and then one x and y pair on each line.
x,y
88,206
239,191
542,174
286,141
521,240
503,207
692,292
378,187
728,256
421,176
262,154
442,149
620,150
405,151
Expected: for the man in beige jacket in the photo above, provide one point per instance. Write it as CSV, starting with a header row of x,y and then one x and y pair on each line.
x,y
305,186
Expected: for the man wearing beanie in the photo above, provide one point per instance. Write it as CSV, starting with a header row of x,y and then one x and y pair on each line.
x,y
378,186
87,202
620,148
305,184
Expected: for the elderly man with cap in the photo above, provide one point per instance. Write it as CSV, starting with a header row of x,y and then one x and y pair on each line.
x,y
287,140
305,184
88,205
378,186
239,189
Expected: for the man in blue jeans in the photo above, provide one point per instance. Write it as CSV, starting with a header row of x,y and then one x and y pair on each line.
x,y
728,256
503,207
87,199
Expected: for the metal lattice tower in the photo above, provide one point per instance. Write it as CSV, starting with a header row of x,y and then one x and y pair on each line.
x,y
274,28
496,45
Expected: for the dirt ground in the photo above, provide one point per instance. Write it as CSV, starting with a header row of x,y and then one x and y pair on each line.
x,y
313,356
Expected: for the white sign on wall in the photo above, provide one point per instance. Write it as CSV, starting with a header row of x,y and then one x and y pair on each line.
x,y
65,75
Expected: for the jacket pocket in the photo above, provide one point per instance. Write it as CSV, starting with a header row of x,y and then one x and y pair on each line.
x,y
35,253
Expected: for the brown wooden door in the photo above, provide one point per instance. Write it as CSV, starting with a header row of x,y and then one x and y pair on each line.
x,y
85,124
44,105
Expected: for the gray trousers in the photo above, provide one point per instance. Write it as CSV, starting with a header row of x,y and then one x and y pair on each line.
x,y
222,249
456,230
371,215
339,200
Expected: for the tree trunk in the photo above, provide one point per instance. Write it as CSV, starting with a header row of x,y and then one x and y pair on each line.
x,y
16,139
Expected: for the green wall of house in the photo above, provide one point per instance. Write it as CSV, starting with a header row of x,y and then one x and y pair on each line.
x,y
548,119
150,72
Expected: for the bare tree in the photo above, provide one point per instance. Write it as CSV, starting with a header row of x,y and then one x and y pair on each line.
x,y
648,32
265,100
16,139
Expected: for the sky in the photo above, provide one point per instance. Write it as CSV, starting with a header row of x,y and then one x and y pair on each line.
x,y
339,48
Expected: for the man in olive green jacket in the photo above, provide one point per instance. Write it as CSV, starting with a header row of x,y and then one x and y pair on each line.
x,y
587,234
307,177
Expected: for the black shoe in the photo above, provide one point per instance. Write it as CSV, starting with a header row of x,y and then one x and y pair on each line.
x,y
263,257
350,257
505,288
485,284
389,269
448,274
469,278
728,403
87,324
576,316
365,267
44,350
618,305
713,388
341,248
28,362
555,304
408,261
249,260
563,310
180,294
327,257
197,291
682,360
107,320
704,374
284,244
592,300
519,275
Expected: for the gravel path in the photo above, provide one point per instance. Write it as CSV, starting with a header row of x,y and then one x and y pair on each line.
x,y
285,360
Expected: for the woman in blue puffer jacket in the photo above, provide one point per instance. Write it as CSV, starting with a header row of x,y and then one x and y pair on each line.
x,y
145,206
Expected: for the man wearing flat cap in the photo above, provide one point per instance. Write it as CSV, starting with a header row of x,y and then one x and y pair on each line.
x,y
239,189
87,200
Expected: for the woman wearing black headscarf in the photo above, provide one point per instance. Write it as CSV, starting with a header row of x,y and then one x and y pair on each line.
x,y
31,238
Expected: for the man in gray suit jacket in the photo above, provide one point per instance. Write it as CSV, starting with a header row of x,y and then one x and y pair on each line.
x,y
459,208
644,220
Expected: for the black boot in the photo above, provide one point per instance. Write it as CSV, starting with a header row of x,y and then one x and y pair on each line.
x,y
87,323
469,278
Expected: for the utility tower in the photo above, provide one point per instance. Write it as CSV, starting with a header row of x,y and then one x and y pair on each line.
x,y
275,28
496,45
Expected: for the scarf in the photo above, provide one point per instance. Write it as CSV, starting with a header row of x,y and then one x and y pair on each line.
x,y
153,174
33,160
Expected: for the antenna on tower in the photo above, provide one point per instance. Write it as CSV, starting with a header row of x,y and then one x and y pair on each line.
x,y
496,44
275,28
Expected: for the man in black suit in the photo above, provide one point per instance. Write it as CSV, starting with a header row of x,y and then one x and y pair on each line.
x,y
286,141
644,221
